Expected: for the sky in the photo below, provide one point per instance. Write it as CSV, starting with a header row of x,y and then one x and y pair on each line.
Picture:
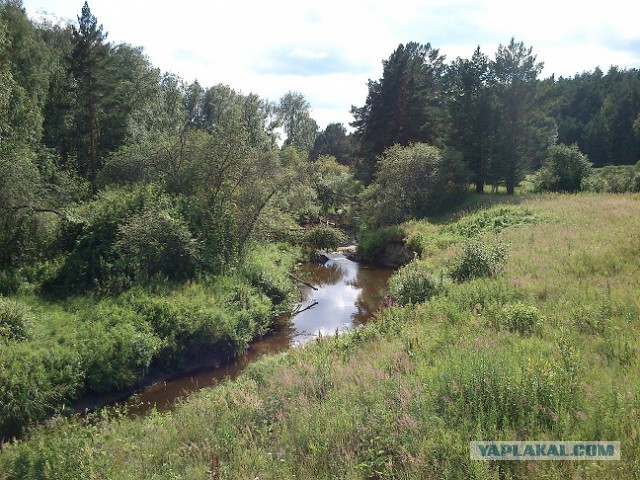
x,y
329,49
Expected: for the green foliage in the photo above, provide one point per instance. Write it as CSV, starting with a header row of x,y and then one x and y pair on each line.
x,y
479,260
324,238
334,184
15,321
472,107
92,264
519,114
414,283
564,170
294,114
412,182
266,267
371,243
155,243
518,318
613,179
117,347
403,106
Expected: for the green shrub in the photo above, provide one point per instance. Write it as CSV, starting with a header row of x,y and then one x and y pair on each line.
x,y
411,182
117,347
479,260
266,267
154,242
92,263
518,318
324,238
371,244
563,170
34,382
14,320
413,283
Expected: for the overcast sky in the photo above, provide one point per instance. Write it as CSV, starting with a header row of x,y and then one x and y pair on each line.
x,y
328,49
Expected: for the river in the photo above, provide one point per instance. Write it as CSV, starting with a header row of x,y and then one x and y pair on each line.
x,y
347,295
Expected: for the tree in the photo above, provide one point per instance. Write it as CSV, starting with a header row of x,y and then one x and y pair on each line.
x,y
295,116
334,183
335,142
24,75
87,65
473,114
406,104
516,70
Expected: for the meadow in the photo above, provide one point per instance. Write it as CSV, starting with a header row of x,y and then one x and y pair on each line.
x,y
540,345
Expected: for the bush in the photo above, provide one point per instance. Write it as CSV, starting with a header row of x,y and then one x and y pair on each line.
x,y
14,320
563,170
519,318
371,244
266,267
154,242
479,260
412,182
413,283
92,264
324,238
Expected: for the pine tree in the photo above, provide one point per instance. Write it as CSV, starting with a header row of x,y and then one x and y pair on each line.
x,y
473,114
516,71
406,104
87,62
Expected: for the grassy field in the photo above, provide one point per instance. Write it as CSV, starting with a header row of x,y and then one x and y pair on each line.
x,y
545,348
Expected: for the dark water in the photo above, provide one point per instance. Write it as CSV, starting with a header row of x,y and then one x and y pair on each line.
x,y
348,294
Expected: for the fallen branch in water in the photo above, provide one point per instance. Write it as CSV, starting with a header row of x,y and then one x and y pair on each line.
x,y
306,308
302,281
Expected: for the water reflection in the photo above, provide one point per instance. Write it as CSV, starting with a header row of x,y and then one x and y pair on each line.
x,y
348,295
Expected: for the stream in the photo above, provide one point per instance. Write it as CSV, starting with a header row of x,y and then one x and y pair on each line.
x,y
347,295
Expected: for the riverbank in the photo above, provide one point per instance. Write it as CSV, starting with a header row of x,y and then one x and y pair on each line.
x,y
97,350
545,349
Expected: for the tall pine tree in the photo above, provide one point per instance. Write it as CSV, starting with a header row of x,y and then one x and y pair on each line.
x,y
473,114
517,71
406,104
87,63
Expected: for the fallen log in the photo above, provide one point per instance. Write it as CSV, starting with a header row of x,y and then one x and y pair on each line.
x,y
302,281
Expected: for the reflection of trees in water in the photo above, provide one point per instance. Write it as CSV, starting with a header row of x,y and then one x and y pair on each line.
x,y
372,283
320,275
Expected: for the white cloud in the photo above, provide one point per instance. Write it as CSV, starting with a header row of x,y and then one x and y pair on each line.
x,y
253,45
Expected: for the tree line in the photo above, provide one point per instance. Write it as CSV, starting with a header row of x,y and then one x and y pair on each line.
x,y
497,112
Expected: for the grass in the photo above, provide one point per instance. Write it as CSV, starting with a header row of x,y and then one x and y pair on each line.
x,y
546,350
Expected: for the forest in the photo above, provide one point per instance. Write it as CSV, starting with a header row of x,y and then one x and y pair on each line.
x,y
148,221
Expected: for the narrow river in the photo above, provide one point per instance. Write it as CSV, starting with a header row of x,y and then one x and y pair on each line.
x,y
347,295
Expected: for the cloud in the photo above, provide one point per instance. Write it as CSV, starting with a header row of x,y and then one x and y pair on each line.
x,y
307,61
